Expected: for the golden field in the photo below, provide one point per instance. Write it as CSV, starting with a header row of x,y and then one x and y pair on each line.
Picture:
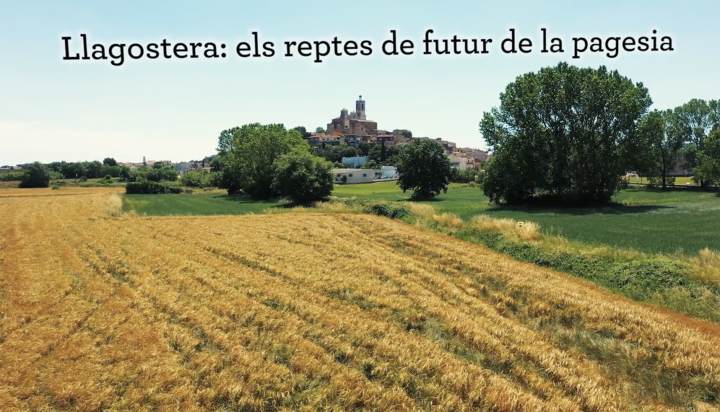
x,y
315,311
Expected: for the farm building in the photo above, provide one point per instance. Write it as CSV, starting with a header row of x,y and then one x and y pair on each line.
x,y
355,175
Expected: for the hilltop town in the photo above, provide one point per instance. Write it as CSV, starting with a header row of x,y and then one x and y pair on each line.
x,y
353,129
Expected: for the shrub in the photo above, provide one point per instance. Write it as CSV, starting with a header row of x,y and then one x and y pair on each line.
x,y
11,176
201,178
380,208
37,175
302,177
159,174
149,187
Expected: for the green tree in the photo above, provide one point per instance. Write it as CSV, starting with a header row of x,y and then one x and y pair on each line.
x,y
253,151
303,131
424,168
405,133
37,175
319,130
93,169
225,140
563,134
346,150
302,177
109,161
695,120
708,160
663,141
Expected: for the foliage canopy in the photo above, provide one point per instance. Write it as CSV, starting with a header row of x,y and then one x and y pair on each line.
x,y
424,168
563,134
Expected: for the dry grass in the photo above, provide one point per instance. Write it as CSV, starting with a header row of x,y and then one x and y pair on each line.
x,y
316,311
508,227
706,266
113,205
448,220
421,210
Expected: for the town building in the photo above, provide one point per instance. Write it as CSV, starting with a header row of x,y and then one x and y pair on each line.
x,y
183,167
354,123
349,176
463,161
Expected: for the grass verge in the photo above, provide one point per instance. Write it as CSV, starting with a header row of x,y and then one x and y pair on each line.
x,y
684,284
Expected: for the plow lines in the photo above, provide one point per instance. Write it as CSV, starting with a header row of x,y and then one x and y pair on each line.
x,y
315,312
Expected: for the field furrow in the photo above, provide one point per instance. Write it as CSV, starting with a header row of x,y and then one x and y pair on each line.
x,y
316,312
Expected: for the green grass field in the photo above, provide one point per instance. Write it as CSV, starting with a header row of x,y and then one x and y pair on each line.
x,y
195,204
648,221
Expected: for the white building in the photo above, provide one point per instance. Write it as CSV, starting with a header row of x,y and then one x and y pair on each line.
x,y
355,175
461,161
182,167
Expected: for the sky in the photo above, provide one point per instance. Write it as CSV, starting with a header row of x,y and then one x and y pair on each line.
x,y
174,109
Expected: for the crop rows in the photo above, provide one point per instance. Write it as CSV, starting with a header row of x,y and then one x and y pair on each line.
x,y
316,312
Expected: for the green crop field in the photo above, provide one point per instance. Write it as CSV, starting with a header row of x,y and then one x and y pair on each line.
x,y
645,220
196,204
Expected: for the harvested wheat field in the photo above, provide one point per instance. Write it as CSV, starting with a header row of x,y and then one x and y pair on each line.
x,y
305,311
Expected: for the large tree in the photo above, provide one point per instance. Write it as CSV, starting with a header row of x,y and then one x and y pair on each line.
x,y
696,119
252,152
424,168
663,140
708,160
36,175
564,134
225,140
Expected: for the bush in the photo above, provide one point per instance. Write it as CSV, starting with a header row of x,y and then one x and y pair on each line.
x,y
148,187
11,176
387,209
302,177
200,178
37,175
656,181
159,174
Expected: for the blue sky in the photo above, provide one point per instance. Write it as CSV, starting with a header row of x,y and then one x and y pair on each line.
x,y
174,109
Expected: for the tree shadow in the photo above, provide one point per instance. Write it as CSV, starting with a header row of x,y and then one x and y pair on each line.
x,y
244,199
608,209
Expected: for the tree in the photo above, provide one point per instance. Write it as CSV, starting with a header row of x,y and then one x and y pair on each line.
x,y
302,177
37,175
109,161
563,134
305,134
346,150
696,119
708,160
253,151
225,140
663,141
93,169
424,168
405,133
319,130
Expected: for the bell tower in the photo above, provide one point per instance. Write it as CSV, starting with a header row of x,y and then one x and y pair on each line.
x,y
360,108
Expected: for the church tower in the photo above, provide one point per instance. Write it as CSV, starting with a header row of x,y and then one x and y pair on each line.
x,y
360,108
